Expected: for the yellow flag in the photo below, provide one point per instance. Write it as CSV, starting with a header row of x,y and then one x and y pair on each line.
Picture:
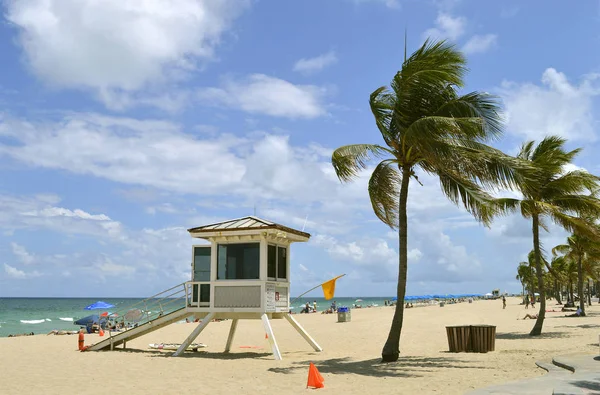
x,y
329,287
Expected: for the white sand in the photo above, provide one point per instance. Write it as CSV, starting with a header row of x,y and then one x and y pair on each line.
x,y
349,363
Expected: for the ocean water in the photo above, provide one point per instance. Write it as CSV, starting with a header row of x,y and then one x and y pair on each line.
x,y
41,315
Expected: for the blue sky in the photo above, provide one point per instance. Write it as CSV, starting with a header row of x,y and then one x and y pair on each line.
x,y
122,124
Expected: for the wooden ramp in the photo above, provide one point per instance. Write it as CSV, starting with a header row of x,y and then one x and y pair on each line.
x,y
119,338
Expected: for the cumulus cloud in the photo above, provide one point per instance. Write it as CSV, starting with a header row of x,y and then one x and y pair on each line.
x,y
373,254
115,48
318,63
147,153
447,27
262,94
556,107
480,43
13,272
22,254
41,212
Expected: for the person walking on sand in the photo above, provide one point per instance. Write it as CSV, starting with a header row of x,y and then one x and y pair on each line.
x,y
526,302
503,302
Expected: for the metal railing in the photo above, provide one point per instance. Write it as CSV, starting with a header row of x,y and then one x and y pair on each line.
x,y
150,308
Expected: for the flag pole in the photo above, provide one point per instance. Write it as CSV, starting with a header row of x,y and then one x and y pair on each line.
x,y
313,288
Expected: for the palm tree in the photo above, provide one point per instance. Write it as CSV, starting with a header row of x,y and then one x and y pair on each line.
x,y
585,252
554,194
427,125
559,268
526,274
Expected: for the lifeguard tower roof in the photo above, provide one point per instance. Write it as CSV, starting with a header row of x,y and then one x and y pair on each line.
x,y
250,223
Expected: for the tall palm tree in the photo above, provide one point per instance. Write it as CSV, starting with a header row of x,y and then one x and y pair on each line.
x,y
427,125
556,195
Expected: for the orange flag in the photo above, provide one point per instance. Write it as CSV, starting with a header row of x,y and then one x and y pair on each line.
x,y
329,287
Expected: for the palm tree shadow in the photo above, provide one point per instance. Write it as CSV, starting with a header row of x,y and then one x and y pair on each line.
x,y
593,385
404,367
583,326
518,336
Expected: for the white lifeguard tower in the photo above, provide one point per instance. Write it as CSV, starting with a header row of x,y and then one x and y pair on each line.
x,y
243,273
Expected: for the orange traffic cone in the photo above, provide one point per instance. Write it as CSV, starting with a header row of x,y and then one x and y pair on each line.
x,y
101,332
314,377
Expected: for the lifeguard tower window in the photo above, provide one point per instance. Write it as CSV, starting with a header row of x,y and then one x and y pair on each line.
x,y
201,273
276,262
238,261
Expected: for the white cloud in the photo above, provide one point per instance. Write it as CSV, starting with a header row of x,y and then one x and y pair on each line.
x,y
480,43
147,153
261,94
22,255
447,27
13,272
40,212
315,64
372,253
114,47
557,107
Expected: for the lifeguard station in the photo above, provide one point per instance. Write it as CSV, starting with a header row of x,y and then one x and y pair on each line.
x,y
243,273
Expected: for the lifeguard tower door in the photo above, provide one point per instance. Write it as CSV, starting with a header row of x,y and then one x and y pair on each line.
x,y
201,272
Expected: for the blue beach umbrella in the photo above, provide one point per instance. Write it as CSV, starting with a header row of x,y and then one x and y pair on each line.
x,y
89,320
99,305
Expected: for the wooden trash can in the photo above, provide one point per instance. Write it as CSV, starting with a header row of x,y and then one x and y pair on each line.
x,y
458,338
471,338
483,338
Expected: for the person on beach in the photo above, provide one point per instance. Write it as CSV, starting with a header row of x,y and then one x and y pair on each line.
x,y
526,302
503,302
530,316
576,314
533,302
314,306
62,332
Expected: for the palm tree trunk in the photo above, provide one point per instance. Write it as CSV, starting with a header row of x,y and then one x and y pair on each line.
x,y
391,349
537,328
571,292
589,293
580,285
557,291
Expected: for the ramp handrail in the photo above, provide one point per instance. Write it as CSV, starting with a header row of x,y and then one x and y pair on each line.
x,y
152,307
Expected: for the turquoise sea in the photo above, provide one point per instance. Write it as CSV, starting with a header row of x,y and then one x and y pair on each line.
x,y
41,315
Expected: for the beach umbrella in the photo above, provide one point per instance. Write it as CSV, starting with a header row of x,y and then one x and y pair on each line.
x,y
99,305
90,319
359,300
394,298
134,315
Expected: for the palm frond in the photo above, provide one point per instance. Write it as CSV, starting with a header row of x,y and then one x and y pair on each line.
x,y
350,159
474,200
384,190
382,104
478,105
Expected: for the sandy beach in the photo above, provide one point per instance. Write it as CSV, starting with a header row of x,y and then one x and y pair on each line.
x,y
349,362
